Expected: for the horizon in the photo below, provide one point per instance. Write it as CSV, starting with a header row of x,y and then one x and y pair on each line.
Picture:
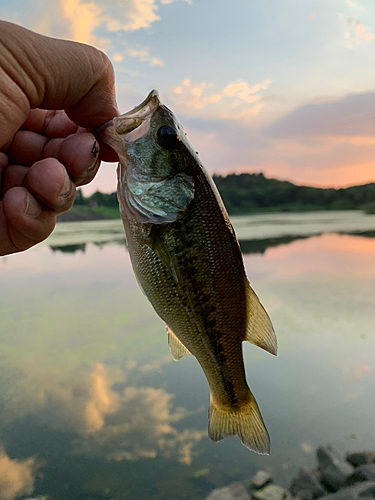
x,y
240,173
285,89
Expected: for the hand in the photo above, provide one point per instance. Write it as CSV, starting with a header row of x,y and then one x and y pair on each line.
x,y
46,152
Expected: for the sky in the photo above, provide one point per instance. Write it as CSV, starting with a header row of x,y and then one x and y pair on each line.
x,y
283,87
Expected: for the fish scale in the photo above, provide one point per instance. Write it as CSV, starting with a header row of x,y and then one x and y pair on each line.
x,y
188,262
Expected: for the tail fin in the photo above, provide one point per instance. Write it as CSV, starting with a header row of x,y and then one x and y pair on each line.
x,y
245,422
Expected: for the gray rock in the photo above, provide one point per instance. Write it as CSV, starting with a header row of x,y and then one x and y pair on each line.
x,y
363,491
260,479
235,491
362,473
305,495
361,458
271,492
306,485
334,469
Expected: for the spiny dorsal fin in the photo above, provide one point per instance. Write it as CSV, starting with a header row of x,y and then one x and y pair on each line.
x,y
245,422
177,348
259,329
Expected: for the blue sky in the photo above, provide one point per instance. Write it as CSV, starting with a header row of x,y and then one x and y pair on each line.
x,y
283,87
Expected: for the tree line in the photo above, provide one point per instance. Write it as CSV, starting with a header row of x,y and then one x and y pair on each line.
x,y
248,193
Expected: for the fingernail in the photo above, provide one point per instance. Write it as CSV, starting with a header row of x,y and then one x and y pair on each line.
x,y
95,153
67,186
33,208
95,149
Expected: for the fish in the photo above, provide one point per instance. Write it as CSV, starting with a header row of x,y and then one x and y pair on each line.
x,y
188,262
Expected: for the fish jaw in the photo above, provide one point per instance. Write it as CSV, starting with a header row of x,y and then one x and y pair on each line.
x,y
120,130
150,188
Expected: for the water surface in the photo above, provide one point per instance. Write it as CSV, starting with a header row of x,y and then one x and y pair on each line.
x,y
93,407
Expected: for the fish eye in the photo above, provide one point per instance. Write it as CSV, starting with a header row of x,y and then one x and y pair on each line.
x,y
167,137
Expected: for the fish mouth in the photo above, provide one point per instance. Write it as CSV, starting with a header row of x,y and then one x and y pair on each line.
x,y
132,120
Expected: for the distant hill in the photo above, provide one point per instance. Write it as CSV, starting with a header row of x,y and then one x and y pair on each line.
x,y
245,194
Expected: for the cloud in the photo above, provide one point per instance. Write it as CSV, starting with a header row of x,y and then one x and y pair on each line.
x,y
353,4
144,56
142,428
235,101
95,21
72,402
352,115
359,372
129,15
127,424
17,477
355,33
167,2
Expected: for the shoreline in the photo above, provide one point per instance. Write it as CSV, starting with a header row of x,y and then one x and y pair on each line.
x,y
334,478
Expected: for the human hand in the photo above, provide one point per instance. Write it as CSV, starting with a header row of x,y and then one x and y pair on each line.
x,y
44,153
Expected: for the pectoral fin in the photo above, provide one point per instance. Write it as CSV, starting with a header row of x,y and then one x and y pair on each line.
x,y
259,330
155,242
177,348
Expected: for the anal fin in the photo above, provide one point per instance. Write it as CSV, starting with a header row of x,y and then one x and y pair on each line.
x,y
178,350
259,329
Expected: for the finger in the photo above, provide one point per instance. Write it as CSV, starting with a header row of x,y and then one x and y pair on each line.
x,y
3,164
23,221
27,148
79,153
48,73
49,182
14,176
52,123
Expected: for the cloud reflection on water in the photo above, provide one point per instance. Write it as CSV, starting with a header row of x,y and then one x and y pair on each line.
x,y
127,424
17,477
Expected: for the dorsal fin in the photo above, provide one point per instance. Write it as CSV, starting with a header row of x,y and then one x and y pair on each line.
x,y
259,329
177,348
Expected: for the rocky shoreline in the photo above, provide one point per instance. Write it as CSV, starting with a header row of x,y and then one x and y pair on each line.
x,y
334,478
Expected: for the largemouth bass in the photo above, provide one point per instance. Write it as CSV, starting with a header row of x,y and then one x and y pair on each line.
x,y
187,260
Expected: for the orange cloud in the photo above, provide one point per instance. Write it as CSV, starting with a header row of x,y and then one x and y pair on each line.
x,y
144,56
356,34
359,372
236,101
17,477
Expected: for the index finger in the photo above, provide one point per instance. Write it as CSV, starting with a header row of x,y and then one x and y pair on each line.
x,y
51,123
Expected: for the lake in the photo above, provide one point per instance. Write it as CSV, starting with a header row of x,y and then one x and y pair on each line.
x,y
93,407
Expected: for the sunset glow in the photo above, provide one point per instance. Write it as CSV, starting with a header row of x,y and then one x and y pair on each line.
x,y
284,88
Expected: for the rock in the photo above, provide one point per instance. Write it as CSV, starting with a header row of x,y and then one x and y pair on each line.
x,y
363,491
334,469
271,492
361,458
306,485
260,479
235,491
362,473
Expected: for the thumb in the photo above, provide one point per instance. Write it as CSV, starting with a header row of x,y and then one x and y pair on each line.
x,y
43,72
